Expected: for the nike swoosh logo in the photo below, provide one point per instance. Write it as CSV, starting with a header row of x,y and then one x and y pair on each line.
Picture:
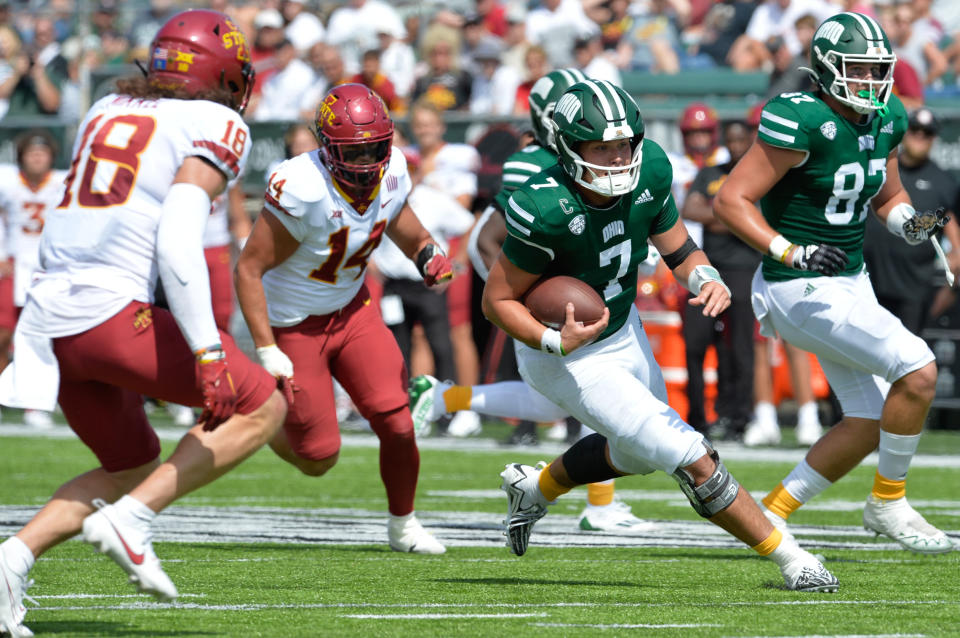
x,y
386,202
135,558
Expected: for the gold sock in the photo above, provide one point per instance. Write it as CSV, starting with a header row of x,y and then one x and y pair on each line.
x,y
457,398
780,502
884,488
770,543
600,494
549,486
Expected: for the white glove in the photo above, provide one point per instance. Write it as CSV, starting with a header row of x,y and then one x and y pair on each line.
x,y
276,363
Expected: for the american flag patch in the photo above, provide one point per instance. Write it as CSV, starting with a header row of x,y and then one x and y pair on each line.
x,y
160,58
392,183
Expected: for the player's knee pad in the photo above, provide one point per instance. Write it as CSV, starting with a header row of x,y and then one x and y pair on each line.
x,y
395,425
586,460
716,494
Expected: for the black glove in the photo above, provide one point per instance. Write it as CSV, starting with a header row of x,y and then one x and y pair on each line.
x,y
820,258
923,226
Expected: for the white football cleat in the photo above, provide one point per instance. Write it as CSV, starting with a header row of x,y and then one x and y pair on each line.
x,y
898,520
129,546
778,522
13,589
806,573
406,534
615,517
465,423
760,433
525,503
424,404
557,431
39,419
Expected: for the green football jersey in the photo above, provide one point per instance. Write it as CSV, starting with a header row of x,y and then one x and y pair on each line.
x,y
520,167
553,231
826,199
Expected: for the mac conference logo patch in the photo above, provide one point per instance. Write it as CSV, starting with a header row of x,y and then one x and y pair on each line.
x,y
577,224
829,130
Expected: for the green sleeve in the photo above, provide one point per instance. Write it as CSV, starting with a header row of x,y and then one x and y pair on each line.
x,y
666,218
782,126
526,246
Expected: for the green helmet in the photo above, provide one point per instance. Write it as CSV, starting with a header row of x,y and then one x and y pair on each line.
x,y
853,38
596,110
543,98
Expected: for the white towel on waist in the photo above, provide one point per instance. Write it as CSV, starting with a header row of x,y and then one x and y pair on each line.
x,y
32,380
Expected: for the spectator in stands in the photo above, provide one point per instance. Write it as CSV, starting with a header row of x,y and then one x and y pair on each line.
x,y
654,37
146,24
397,60
371,76
285,94
724,23
475,38
9,52
732,332
794,77
903,276
268,25
615,22
918,42
494,85
303,28
555,25
515,43
589,57
444,85
771,39
332,71
352,28
537,65
907,84
494,16
38,72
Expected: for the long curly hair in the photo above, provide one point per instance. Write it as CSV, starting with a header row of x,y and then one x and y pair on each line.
x,y
142,88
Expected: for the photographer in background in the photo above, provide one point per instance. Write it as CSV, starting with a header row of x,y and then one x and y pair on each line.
x,y
38,73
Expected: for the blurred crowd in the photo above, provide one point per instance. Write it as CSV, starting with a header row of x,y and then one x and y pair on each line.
x,y
479,56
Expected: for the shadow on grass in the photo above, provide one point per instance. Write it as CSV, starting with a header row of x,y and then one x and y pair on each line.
x,y
536,581
98,628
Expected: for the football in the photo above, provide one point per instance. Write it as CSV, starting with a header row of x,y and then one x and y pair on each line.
x,y
547,299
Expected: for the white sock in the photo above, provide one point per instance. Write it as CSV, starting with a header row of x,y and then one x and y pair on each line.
x,y
18,556
895,452
785,552
514,399
134,510
807,413
765,412
804,482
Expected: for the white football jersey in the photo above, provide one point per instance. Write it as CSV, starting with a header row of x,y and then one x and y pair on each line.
x,y
25,210
326,271
98,250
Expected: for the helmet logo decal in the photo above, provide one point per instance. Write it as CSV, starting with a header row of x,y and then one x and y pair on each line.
x,y
830,31
541,88
167,60
568,107
326,113
234,38
577,224
159,58
829,130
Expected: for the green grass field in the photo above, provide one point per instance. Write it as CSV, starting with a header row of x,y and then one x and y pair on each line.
x,y
267,552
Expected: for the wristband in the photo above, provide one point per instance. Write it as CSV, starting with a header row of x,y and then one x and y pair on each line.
x,y
552,342
779,247
898,216
701,275
210,354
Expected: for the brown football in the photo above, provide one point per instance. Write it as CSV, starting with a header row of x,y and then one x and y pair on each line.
x,y
547,300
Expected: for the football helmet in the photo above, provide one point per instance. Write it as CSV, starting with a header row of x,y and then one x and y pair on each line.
x,y
200,50
853,38
355,134
543,99
699,117
596,110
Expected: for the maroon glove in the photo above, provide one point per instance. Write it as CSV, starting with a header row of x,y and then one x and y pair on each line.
x,y
219,395
434,266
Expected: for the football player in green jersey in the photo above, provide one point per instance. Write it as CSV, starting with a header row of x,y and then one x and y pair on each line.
x,y
821,160
430,399
590,217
